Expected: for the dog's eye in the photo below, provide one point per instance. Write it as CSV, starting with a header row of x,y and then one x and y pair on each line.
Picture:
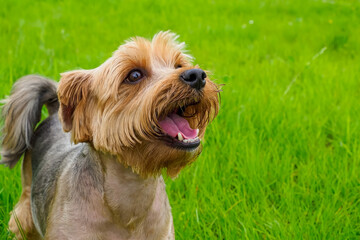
x,y
134,76
178,66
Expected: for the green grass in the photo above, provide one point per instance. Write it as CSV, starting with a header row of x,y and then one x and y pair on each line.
x,y
282,160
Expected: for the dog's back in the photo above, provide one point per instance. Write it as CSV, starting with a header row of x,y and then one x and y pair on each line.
x,y
51,150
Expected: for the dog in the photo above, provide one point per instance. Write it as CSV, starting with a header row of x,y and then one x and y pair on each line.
x,y
93,168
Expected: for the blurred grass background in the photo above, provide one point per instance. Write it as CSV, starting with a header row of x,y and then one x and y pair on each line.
x,y
281,161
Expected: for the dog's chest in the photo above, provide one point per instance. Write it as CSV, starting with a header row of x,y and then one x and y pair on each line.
x,y
139,205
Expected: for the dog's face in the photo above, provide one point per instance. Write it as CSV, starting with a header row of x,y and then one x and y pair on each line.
x,y
147,105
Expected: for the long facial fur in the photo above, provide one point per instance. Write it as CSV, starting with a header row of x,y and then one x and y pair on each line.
x,y
120,118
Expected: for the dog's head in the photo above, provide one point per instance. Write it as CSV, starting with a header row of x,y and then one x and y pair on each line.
x,y
147,105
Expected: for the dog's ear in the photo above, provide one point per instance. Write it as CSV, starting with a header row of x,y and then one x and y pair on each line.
x,y
73,92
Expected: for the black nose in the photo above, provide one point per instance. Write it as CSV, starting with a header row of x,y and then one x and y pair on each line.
x,y
194,77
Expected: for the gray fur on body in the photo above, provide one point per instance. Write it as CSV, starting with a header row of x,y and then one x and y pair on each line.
x,y
51,153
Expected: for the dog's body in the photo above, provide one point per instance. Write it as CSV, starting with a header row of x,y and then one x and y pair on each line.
x,y
99,179
109,184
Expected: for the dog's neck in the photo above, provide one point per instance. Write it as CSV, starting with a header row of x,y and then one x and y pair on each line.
x,y
137,204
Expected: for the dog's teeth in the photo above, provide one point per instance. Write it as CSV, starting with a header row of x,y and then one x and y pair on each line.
x,y
180,137
197,131
190,140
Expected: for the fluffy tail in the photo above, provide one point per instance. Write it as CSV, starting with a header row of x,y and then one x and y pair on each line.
x,y
21,113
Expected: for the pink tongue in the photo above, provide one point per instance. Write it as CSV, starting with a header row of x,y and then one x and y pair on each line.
x,y
173,124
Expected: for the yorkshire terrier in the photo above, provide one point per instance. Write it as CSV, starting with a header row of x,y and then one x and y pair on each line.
x,y
93,171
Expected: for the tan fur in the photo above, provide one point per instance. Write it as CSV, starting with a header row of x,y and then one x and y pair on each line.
x,y
21,219
98,107
73,93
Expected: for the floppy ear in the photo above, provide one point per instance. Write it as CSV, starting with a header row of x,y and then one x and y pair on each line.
x,y
73,92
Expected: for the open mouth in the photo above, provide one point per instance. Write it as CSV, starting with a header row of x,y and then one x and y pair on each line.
x,y
178,133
